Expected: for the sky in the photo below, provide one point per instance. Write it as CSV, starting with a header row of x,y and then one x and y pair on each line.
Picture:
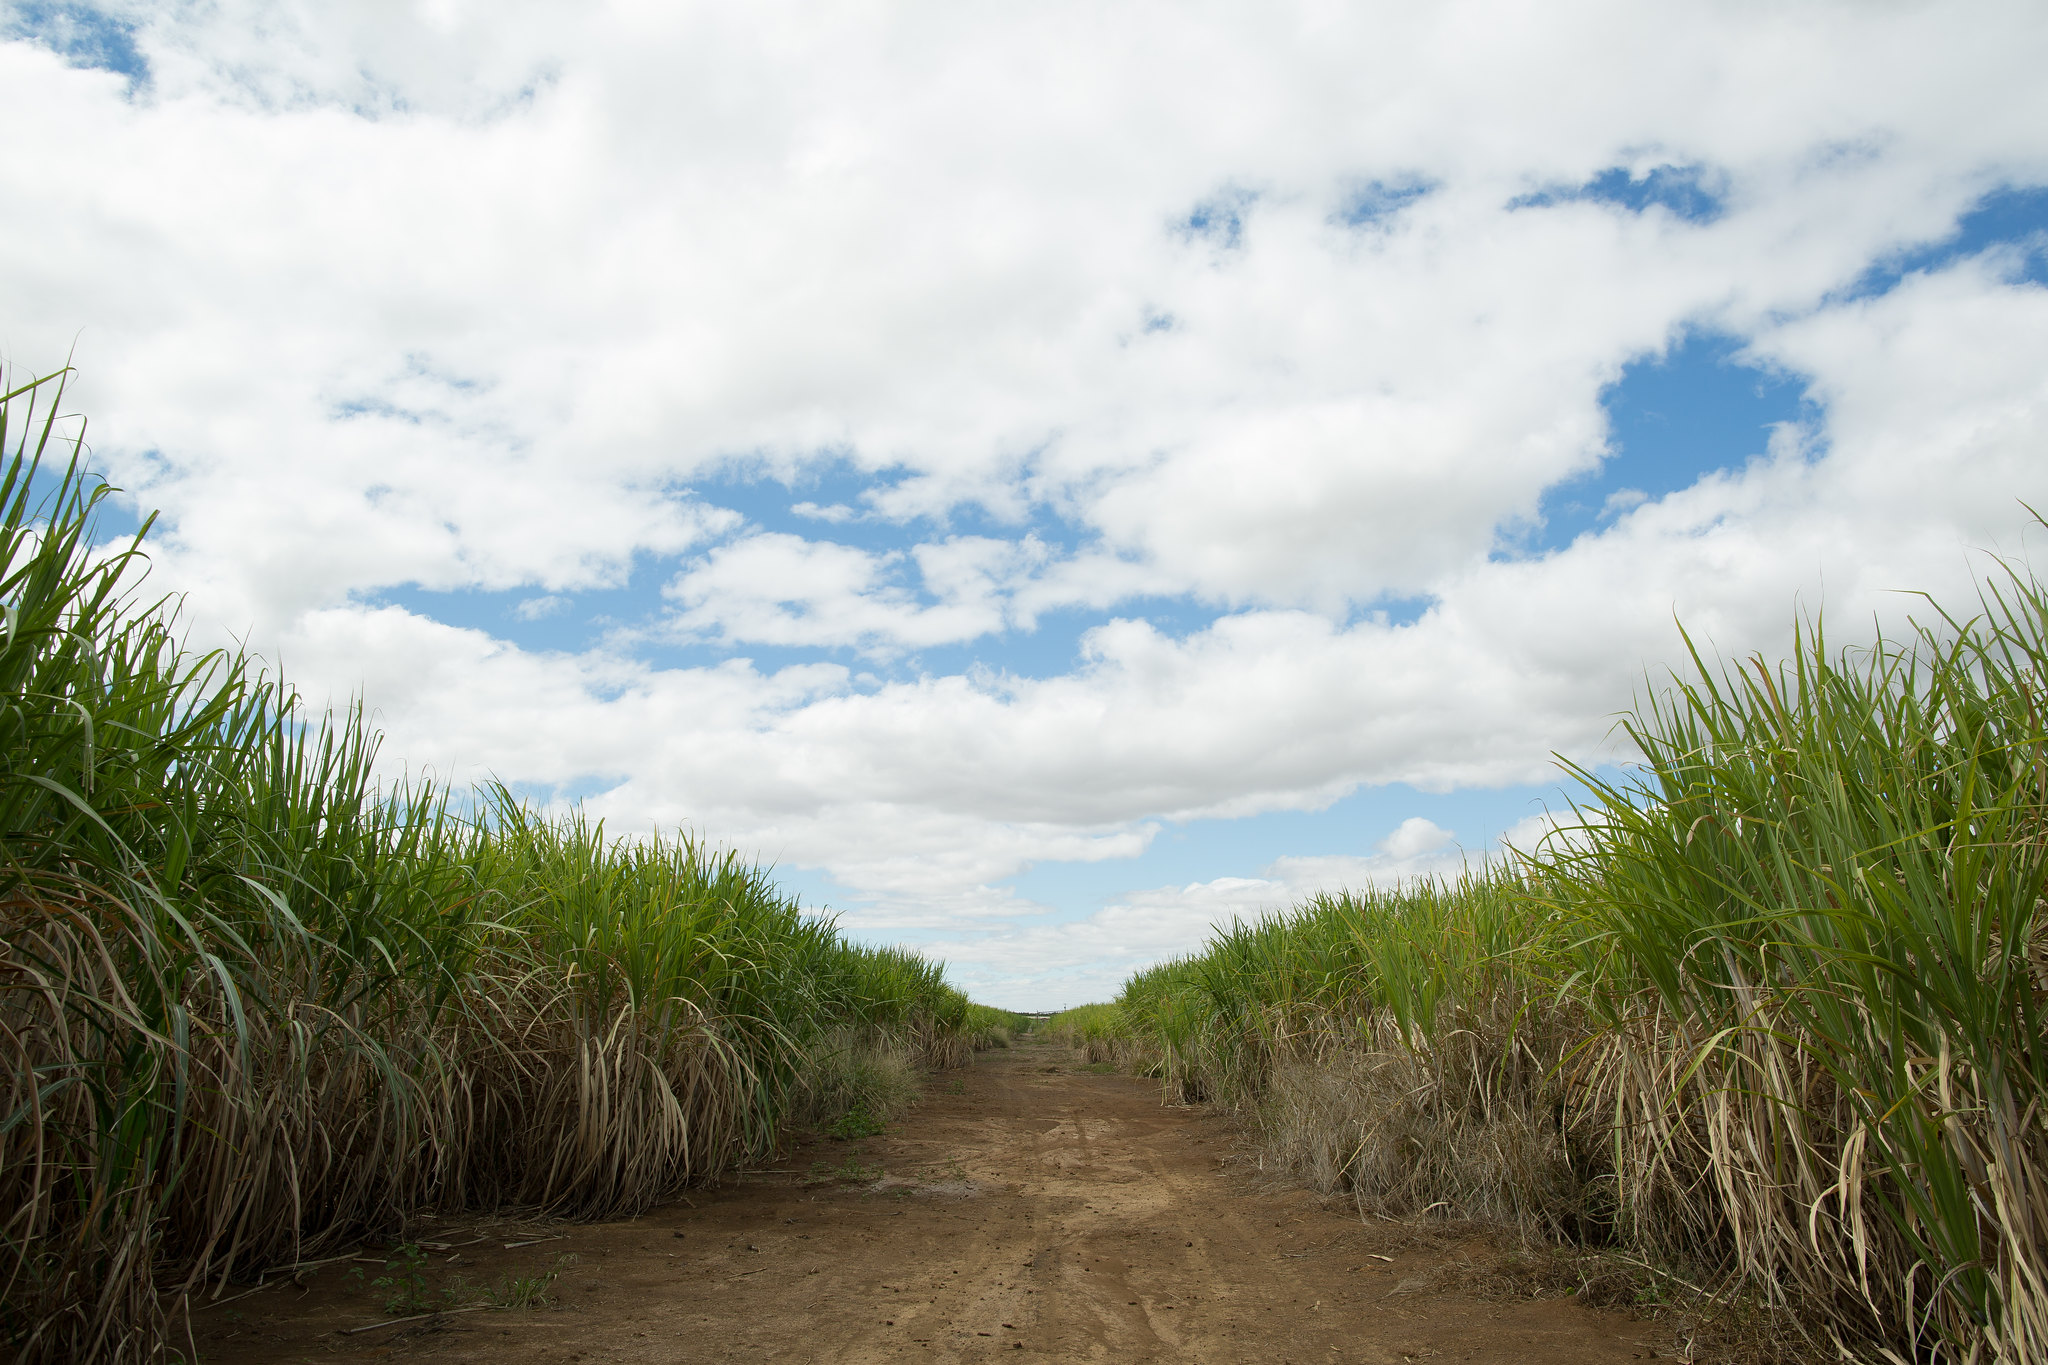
x,y
1049,478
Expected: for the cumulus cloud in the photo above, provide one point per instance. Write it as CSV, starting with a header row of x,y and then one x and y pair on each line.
x,y
1207,340
1414,837
781,589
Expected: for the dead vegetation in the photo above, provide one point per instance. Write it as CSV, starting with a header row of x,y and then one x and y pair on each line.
x,y
1760,1034
256,1004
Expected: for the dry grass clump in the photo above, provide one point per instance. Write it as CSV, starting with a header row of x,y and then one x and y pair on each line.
x,y
857,1074
1469,1130
254,1005
1769,1018
1099,1035
986,1028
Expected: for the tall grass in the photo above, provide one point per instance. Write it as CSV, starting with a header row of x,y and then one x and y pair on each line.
x,y
1771,1008
985,1027
1816,942
254,1003
1098,1031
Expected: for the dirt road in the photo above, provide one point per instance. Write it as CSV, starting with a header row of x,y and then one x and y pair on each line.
x,y
1025,1210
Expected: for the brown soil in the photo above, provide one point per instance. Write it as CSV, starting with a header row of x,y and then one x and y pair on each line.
x,y
1026,1209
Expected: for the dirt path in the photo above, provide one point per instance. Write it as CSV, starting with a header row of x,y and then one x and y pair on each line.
x,y
1025,1210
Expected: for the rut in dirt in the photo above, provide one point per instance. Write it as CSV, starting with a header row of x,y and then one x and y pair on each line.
x,y
1026,1209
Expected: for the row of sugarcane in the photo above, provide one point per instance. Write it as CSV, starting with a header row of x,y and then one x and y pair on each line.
x,y
1770,1007
257,1003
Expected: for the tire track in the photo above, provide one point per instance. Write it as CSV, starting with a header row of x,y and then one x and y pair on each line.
x,y
1026,1211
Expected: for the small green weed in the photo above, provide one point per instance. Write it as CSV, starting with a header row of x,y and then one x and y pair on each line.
x,y
405,1283
854,1123
528,1291
851,1171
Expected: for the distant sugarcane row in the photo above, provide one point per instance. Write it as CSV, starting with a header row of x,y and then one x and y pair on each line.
x,y
253,1004
1771,1010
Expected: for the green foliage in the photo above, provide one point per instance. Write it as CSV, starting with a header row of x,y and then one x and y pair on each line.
x,y
255,1000
852,1171
404,1283
1773,1003
527,1291
986,1027
1827,885
854,1123
1075,1026
857,1073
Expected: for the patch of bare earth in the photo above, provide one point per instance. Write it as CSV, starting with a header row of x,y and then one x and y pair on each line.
x,y
1024,1210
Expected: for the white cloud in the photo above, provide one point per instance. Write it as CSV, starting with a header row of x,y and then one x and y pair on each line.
x,y
452,295
780,589
1414,837
540,608
834,513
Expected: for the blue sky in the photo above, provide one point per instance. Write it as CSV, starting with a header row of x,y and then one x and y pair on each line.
x,y
1049,497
